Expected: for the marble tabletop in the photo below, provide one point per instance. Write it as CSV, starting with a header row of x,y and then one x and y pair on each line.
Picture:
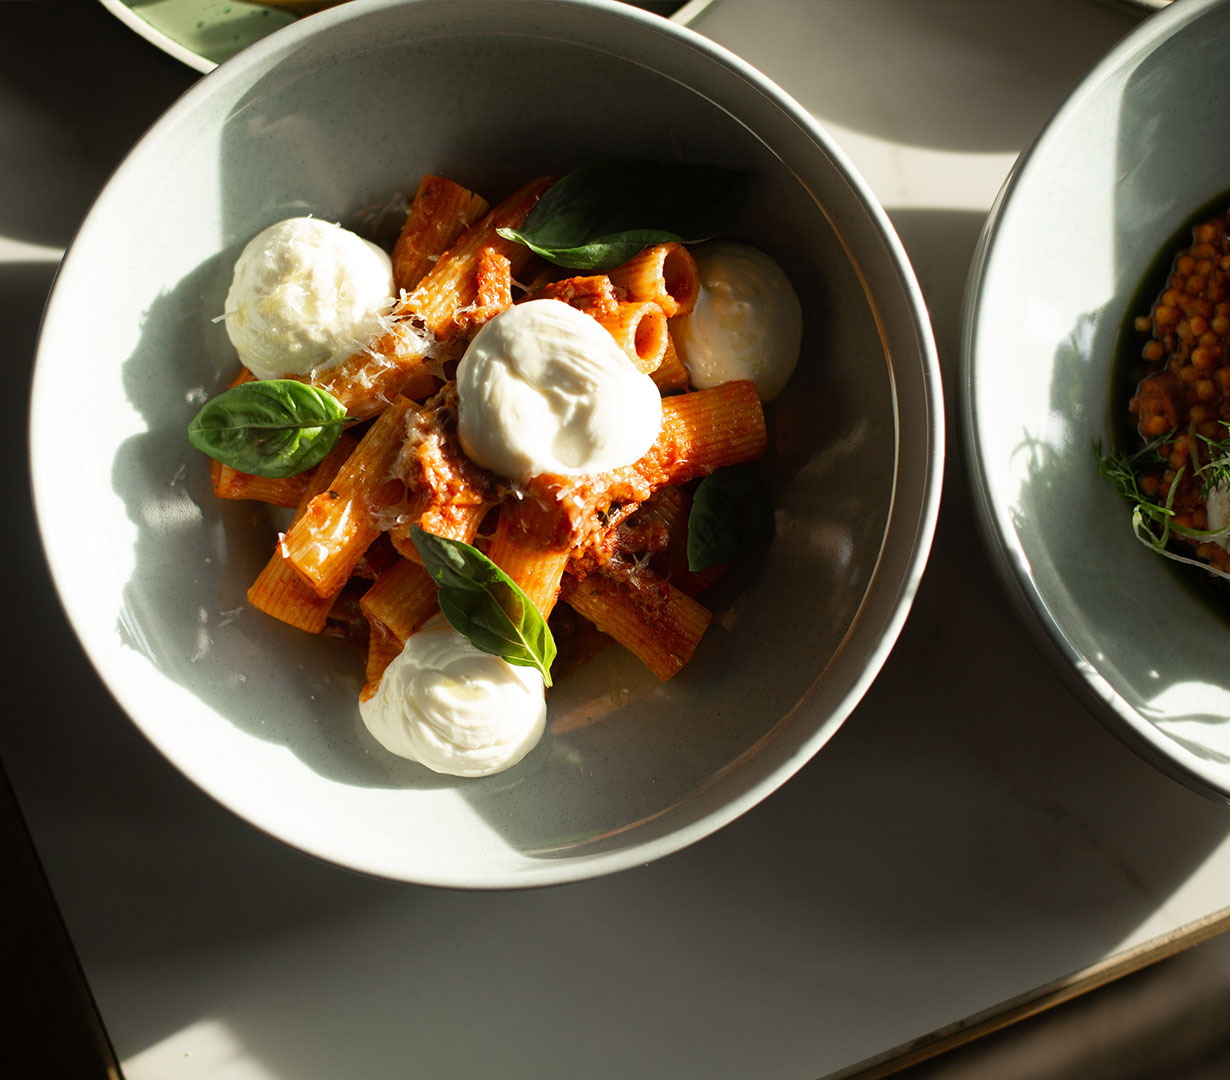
x,y
971,838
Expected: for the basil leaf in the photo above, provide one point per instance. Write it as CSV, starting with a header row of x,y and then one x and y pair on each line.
x,y
484,604
731,515
271,427
605,212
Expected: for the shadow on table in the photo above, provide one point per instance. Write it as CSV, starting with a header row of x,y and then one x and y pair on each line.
x,y
48,52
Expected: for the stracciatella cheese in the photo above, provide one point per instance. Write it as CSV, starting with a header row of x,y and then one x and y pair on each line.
x,y
305,295
455,709
543,388
747,323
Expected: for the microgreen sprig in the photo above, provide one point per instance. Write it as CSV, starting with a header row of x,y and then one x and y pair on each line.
x,y
1217,472
1153,522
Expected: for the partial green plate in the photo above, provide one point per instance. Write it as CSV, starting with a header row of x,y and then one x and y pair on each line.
x,y
203,33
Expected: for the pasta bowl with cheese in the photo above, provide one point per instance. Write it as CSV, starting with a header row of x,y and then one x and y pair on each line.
x,y
524,438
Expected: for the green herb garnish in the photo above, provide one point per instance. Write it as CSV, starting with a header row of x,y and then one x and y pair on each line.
x,y
1217,472
603,213
484,604
731,515
1153,521
271,427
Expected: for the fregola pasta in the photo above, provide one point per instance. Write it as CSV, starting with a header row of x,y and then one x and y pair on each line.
x,y
610,546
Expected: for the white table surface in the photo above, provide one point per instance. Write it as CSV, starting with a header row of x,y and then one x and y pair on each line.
x,y
971,834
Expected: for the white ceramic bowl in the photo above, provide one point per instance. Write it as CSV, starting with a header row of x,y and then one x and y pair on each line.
x,y
331,116
1122,165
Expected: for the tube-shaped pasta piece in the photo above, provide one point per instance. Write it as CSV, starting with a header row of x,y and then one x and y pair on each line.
x,y
320,478
402,598
441,211
665,273
528,548
705,430
493,275
278,590
659,624
592,293
230,483
418,384
639,329
391,365
494,282
671,373
383,647
453,521
701,431
417,502
327,541
452,284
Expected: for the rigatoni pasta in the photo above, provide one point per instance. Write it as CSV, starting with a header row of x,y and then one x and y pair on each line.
x,y
612,543
639,328
279,590
335,528
441,211
657,622
453,283
665,274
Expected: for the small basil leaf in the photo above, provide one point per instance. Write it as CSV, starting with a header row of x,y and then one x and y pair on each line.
x,y
731,515
484,604
271,427
605,212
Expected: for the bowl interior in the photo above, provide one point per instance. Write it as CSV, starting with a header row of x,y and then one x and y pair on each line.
x,y
1122,165
335,116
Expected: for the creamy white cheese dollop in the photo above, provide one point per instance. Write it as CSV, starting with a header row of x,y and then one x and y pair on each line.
x,y
456,710
747,323
543,388
305,295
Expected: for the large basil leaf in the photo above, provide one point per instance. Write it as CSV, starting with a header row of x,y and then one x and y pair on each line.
x,y
271,427
731,515
484,604
605,212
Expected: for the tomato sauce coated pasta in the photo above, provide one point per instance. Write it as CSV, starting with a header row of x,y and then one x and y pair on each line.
x,y
609,544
